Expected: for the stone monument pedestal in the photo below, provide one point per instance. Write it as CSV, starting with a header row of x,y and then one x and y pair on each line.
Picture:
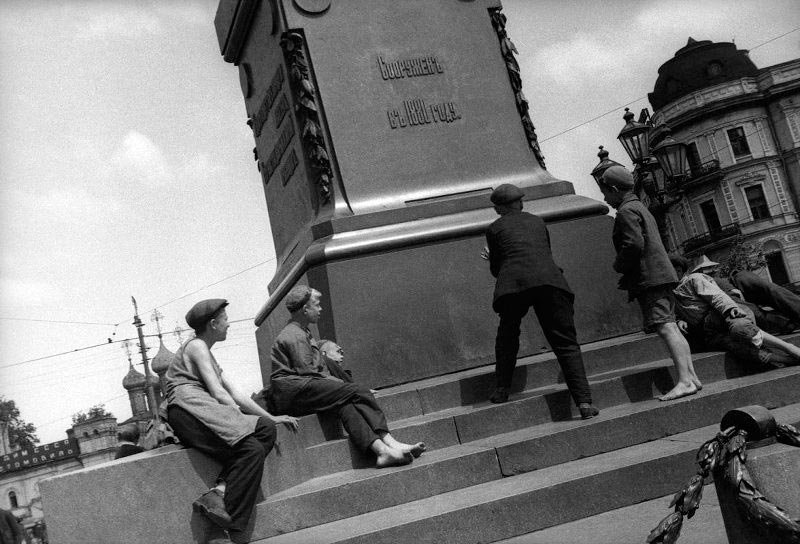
x,y
381,128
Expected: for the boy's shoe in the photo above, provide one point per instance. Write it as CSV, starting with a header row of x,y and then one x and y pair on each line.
x,y
212,505
588,411
499,396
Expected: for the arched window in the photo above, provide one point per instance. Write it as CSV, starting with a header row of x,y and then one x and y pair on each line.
x,y
96,432
85,434
12,499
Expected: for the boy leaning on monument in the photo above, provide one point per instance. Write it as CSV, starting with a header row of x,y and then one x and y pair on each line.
x,y
647,273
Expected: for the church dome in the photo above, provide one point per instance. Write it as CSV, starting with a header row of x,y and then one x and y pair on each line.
x,y
162,359
697,65
134,379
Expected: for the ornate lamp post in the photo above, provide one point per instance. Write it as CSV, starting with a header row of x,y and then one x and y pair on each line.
x,y
670,157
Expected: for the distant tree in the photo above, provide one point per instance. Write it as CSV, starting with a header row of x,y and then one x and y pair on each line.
x,y
743,256
96,411
20,433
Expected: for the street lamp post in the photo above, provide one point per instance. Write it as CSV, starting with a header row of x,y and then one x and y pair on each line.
x,y
670,157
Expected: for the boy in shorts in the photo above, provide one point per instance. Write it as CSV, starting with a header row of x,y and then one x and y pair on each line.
x,y
647,273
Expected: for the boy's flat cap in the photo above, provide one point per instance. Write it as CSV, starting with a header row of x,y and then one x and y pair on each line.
x,y
203,311
506,194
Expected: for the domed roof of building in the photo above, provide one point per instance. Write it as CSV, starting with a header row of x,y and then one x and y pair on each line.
x,y
699,64
162,359
134,379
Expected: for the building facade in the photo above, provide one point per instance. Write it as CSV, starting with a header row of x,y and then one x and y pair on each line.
x,y
89,443
742,127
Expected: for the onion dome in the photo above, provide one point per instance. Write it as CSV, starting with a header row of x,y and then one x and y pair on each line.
x,y
134,379
162,359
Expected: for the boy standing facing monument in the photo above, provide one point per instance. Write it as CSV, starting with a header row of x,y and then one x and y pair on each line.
x,y
518,251
647,273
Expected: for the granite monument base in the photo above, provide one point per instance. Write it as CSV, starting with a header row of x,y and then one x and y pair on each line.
x,y
411,299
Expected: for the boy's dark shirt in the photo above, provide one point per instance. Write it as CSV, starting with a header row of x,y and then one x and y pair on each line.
x,y
520,256
641,257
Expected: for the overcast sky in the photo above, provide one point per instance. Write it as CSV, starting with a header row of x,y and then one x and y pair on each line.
x,y
126,166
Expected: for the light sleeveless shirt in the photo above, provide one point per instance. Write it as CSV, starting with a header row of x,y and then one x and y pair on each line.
x,y
186,388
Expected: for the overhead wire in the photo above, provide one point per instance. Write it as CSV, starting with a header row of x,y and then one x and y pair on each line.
x,y
616,109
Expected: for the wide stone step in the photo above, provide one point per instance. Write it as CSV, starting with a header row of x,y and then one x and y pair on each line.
x,y
354,492
503,508
473,386
452,426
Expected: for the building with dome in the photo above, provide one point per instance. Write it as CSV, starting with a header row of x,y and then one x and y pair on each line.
x,y
742,127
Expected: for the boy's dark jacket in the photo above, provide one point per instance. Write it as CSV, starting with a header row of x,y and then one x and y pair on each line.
x,y
641,257
520,256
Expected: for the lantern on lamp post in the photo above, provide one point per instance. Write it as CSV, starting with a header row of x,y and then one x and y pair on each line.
x,y
635,137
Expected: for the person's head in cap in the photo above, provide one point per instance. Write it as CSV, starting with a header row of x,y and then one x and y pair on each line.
x,y
680,264
303,302
507,198
208,317
705,265
615,183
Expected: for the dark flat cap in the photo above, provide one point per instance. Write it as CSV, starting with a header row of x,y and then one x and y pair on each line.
x,y
617,176
506,194
297,297
203,311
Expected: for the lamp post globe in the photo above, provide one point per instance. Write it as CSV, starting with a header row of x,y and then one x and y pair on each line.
x,y
672,157
604,164
635,138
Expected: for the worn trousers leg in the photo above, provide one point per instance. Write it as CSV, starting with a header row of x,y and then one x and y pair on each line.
x,y
554,309
356,407
512,308
757,289
242,463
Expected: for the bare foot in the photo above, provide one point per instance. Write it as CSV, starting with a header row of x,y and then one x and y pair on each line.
x,y
393,458
697,384
414,449
680,390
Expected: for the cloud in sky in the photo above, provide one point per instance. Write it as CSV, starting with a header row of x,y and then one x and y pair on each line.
x,y
115,19
18,293
143,160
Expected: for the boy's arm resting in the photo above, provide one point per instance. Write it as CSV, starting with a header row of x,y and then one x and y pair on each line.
x,y
249,406
629,241
200,355
707,289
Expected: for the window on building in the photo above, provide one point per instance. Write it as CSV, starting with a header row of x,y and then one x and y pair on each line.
x,y
738,143
695,162
12,499
757,202
709,211
777,268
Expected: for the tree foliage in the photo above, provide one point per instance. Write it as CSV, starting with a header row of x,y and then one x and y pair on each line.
x,y
20,433
95,412
743,256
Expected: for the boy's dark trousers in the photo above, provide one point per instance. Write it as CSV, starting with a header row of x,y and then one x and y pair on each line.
x,y
242,464
554,309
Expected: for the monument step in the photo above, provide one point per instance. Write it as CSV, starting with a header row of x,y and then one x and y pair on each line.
x,y
507,507
451,426
460,392
350,493
473,386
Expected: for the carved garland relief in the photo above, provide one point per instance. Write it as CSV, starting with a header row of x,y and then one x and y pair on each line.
x,y
508,50
305,96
